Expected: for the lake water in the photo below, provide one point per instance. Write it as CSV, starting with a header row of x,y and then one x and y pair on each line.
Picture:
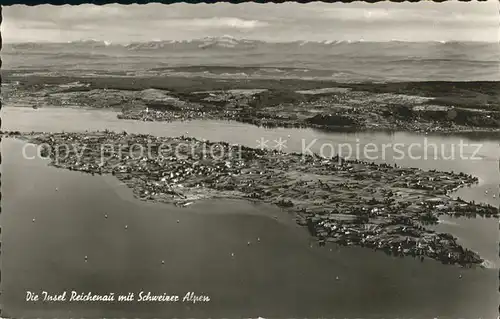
x,y
205,246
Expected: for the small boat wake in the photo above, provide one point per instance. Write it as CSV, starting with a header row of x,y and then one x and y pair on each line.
x,y
488,264
447,222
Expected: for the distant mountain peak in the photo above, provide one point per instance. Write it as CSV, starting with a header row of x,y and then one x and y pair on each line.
x,y
92,42
225,42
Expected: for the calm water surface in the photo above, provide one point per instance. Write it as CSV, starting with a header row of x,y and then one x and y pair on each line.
x,y
278,276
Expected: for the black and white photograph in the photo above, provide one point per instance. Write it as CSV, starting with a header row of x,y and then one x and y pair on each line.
x,y
271,160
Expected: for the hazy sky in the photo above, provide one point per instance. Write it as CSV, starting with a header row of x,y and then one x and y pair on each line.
x,y
383,21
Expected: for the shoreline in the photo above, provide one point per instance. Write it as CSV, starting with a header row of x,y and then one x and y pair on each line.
x,y
388,217
420,107
475,135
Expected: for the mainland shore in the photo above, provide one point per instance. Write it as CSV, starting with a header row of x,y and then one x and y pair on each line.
x,y
425,107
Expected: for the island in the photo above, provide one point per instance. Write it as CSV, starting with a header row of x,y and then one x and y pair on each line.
x,y
347,202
